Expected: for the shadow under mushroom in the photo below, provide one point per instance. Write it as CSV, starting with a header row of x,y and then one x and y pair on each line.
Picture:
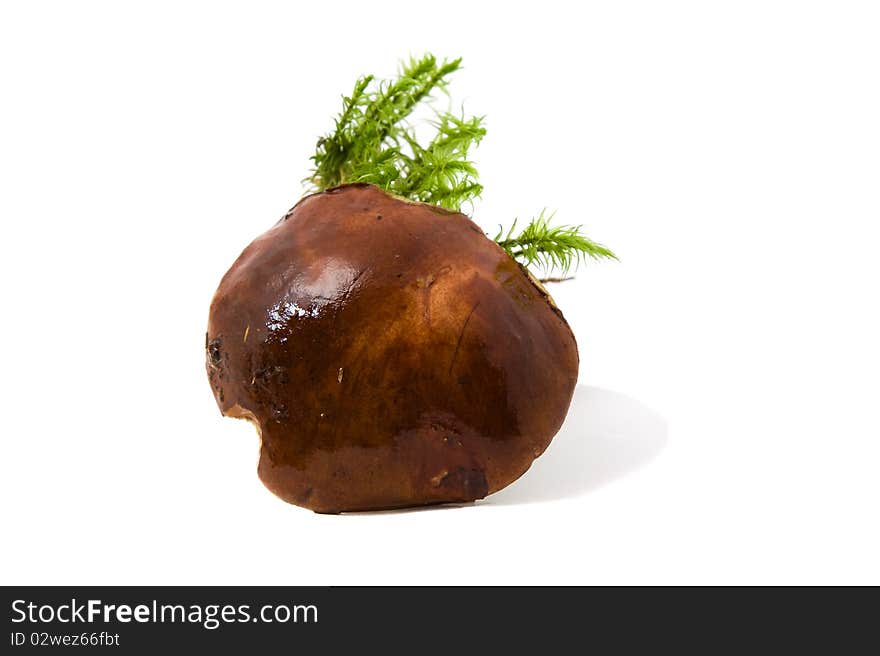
x,y
605,436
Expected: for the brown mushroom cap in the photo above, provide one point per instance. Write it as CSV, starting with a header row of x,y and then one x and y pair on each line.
x,y
389,353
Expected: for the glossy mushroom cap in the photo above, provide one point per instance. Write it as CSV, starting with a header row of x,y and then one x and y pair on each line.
x,y
389,353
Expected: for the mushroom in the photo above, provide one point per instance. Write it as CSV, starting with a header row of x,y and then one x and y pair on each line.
x,y
389,354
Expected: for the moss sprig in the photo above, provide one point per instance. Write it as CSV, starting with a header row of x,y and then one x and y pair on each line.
x,y
373,142
540,244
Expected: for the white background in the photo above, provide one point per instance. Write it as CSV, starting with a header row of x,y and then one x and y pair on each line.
x,y
727,426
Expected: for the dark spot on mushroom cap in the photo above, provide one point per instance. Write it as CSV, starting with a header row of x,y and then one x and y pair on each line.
x,y
214,351
468,483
